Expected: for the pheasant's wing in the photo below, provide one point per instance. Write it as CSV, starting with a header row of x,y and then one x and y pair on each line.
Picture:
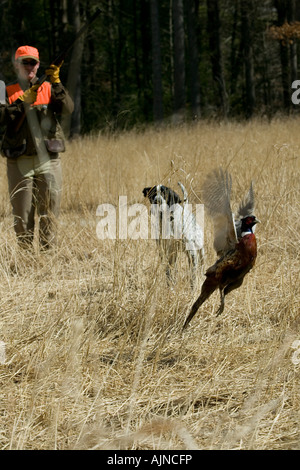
x,y
247,205
246,208
216,198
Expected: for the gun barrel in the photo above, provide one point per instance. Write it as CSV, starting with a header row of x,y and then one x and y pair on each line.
x,y
61,56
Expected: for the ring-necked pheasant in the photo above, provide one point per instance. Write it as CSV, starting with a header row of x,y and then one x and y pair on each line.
x,y
234,240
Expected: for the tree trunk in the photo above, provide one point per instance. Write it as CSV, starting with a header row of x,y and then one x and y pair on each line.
x,y
214,36
73,123
192,14
246,24
156,62
147,67
292,16
284,54
179,60
234,51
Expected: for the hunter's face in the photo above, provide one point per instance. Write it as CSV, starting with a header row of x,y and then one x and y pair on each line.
x,y
27,69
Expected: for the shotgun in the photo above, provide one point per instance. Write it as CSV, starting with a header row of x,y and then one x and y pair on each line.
x,y
61,57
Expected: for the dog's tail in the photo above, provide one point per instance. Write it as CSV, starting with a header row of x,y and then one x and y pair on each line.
x,y
185,194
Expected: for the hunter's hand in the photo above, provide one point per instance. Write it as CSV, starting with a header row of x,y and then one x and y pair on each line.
x,y
53,73
29,96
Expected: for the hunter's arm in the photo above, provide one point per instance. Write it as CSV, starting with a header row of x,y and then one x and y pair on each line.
x,y
61,102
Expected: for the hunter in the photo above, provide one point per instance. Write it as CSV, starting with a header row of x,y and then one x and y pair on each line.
x,y
32,143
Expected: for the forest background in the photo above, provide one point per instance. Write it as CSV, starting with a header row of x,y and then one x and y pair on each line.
x,y
92,354
147,61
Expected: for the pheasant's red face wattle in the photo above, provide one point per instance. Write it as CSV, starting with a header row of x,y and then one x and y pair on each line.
x,y
249,220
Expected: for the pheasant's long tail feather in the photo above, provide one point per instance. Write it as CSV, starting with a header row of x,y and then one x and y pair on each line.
x,y
208,287
222,304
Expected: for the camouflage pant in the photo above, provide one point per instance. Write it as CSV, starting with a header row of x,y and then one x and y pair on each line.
x,y
34,188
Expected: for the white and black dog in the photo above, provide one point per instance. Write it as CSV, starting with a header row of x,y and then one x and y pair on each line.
x,y
175,228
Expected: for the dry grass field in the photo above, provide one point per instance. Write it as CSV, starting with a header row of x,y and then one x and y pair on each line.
x,y
95,355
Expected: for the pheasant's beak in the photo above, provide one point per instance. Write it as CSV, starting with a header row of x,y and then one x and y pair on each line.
x,y
256,220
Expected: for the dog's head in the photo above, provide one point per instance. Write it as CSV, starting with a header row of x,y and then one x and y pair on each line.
x,y
161,194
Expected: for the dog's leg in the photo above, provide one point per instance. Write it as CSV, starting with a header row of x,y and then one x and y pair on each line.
x,y
172,258
201,260
193,263
161,250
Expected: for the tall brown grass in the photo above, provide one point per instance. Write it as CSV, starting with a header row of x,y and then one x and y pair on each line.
x,y
95,355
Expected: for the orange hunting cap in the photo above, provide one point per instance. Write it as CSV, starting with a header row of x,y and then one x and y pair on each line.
x,y
27,52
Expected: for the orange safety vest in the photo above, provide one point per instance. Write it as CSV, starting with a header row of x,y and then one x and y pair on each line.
x,y
43,93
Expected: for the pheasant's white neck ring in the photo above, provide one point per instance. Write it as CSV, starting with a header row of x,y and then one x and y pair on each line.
x,y
247,232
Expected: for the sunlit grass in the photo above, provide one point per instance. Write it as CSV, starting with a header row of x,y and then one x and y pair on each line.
x,y
95,355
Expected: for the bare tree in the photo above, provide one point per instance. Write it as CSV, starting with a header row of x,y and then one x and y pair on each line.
x,y
292,17
284,53
156,62
72,125
179,59
246,24
214,36
194,84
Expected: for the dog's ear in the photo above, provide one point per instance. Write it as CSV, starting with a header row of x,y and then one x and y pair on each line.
x,y
150,193
146,191
177,198
172,197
